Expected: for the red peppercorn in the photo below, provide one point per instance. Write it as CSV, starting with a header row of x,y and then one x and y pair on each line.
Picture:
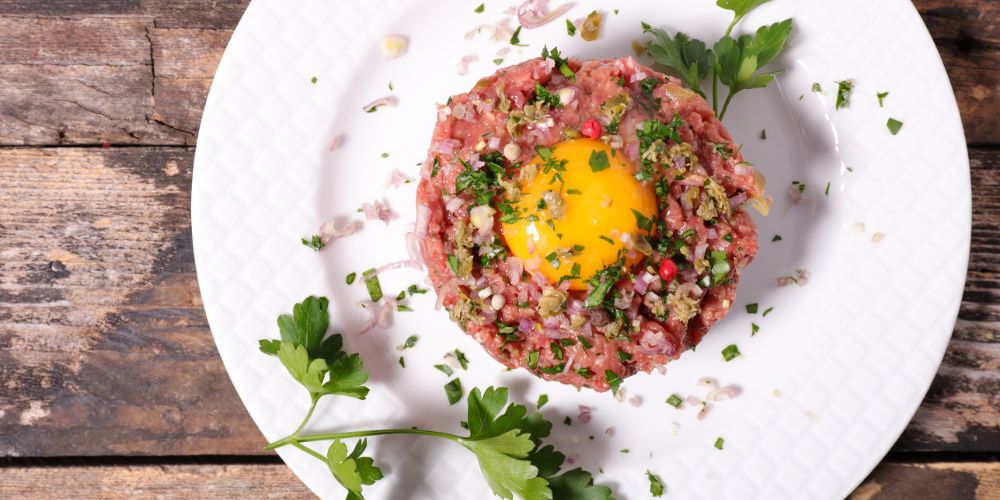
x,y
668,270
592,129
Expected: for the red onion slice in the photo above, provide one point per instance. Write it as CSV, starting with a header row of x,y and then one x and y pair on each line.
x,y
380,102
531,14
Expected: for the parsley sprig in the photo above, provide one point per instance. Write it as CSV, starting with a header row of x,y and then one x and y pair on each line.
x,y
736,62
505,438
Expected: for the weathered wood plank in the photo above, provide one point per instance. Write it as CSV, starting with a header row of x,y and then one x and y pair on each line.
x,y
931,481
83,81
61,101
967,34
152,481
104,346
166,13
890,481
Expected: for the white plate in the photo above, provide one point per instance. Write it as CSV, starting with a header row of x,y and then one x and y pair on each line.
x,y
852,353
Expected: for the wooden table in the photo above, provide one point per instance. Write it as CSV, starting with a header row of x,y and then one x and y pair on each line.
x,y
110,385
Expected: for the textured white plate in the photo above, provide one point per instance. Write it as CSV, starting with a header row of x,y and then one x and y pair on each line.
x,y
851,354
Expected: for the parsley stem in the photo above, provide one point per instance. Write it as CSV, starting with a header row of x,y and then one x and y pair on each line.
x,y
715,75
295,440
310,451
726,105
312,407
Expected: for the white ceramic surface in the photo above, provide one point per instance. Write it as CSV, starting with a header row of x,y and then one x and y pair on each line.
x,y
851,354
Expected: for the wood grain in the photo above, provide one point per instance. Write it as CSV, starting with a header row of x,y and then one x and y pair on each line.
x,y
152,482
931,481
72,74
104,346
890,481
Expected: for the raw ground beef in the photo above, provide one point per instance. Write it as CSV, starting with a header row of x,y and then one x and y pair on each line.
x,y
630,331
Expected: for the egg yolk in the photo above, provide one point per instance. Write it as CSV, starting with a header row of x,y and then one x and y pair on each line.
x,y
581,212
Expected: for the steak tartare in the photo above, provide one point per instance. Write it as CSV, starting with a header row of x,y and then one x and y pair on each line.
x,y
585,220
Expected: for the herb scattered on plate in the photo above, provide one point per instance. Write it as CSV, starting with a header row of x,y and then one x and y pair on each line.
x,y
504,437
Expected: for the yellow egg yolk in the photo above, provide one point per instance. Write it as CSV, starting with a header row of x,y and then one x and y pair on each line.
x,y
579,210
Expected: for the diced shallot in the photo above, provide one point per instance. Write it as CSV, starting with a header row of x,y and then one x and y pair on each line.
x,y
377,210
584,416
396,179
463,64
330,230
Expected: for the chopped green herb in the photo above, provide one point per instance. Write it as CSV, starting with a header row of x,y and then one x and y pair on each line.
x,y
515,39
767,311
598,161
894,125
350,278
730,352
561,64
719,442
644,223
826,192
453,390
401,295
568,421
445,369
777,237
462,360
844,90
817,87
881,98
403,308
436,167
453,264
602,282
613,380
314,80
752,308
414,289
557,350
553,370
754,329
315,242
655,484
584,342
385,155
624,450
675,401
532,360
480,9
624,356
763,134
584,372
402,362
570,28
573,191
410,342
553,259
609,240
728,237
373,286
542,95
720,267
542,399
498,61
